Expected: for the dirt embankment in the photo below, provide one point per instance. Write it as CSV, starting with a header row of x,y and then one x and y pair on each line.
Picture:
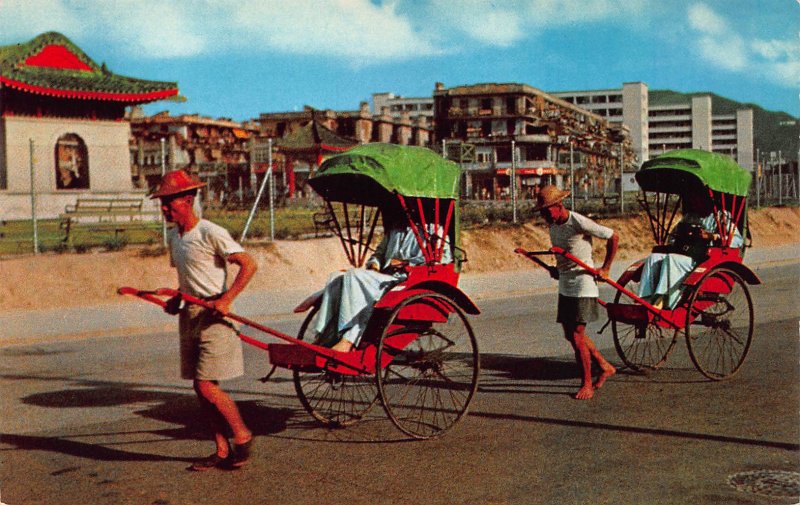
x,y
51,280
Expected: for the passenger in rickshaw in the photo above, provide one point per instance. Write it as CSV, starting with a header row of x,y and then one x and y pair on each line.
x,y
348,297
663,272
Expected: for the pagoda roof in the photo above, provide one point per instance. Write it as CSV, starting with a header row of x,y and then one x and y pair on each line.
x,y
50,64
313,137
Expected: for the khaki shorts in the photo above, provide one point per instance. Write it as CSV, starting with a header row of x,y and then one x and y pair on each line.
x,y
577,310
210,348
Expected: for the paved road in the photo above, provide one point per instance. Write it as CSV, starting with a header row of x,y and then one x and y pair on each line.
x,y
106,420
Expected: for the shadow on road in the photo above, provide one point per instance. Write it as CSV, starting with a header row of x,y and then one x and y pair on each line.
x,y
640,430
181,410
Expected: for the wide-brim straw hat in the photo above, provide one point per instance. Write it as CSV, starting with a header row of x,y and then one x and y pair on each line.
x,y
175,182
548,196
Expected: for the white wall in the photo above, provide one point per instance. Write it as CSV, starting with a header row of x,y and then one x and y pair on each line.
x,y
109,163
701,122
744,138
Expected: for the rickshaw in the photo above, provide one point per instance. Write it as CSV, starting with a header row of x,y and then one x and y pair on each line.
x,y
418,354
714,311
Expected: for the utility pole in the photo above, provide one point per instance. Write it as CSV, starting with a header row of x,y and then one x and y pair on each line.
x,y
758,178
163,171
780,178
513,182
571,177
621,178
267,179
33,204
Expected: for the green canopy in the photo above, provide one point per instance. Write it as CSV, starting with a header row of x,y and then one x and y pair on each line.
x,y
365,173
677,171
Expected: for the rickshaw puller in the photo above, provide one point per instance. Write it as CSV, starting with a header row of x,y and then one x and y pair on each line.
x,y
210,348
577,288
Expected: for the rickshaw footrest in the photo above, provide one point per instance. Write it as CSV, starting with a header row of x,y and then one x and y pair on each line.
x,y
628,313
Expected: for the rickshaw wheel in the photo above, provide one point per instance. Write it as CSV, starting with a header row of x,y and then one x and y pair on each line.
x,y
645,347
333,399
719,324
431,365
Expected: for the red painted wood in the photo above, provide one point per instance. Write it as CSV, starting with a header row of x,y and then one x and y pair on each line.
x,y
89,95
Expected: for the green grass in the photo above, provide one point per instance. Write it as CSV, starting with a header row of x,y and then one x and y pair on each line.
x,y
17,236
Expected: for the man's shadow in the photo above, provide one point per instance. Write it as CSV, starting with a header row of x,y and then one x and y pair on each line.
x,y
507,373
181,410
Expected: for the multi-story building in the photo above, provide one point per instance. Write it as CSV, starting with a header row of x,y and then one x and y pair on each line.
x,y
303,138
361,125
659,122
397,105
63,132
693,125
554,140
217,150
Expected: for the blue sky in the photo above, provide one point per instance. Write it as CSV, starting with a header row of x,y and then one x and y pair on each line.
x,y
239,58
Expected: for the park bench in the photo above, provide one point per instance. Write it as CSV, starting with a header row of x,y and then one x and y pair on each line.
x,y
107,215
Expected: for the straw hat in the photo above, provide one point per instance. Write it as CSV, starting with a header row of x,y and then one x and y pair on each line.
x,y
176,182
548,196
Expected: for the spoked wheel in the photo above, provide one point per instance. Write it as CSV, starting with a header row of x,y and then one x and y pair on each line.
x,y
641,347
431,365
719,324
334,399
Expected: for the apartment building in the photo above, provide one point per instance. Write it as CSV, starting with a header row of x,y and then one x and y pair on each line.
x,y
554,140
397,105
217,150
303,138
662,121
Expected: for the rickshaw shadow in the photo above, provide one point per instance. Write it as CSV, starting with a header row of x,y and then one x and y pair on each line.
x,y
508,373
375,428
663,375
179,409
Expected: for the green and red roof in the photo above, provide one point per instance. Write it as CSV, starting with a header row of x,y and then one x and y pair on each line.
x,y
52,65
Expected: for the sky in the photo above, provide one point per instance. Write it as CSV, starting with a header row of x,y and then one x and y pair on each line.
x,y
240,58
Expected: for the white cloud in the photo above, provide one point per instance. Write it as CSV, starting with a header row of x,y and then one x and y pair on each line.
x,y
705,20
354,29
492,23
719,44
727,52
21,18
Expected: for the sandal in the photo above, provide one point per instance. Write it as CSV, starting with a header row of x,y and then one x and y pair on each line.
x,y
241,454
209,462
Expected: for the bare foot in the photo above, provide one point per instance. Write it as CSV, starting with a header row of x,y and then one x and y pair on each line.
x,y
585,393
343,346
607,372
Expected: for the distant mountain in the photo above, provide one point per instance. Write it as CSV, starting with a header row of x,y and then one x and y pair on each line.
x,y
772,131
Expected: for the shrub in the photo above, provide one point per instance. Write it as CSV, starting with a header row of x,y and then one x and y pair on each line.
x,y
153,251
117,243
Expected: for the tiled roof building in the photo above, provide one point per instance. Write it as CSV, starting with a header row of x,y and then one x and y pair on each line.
x,y
65,112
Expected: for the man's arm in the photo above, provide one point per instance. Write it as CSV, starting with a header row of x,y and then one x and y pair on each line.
x,y
611,251
247,268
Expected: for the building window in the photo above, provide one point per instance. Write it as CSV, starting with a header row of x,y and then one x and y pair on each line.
x,y
511,105
72,163
503,154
